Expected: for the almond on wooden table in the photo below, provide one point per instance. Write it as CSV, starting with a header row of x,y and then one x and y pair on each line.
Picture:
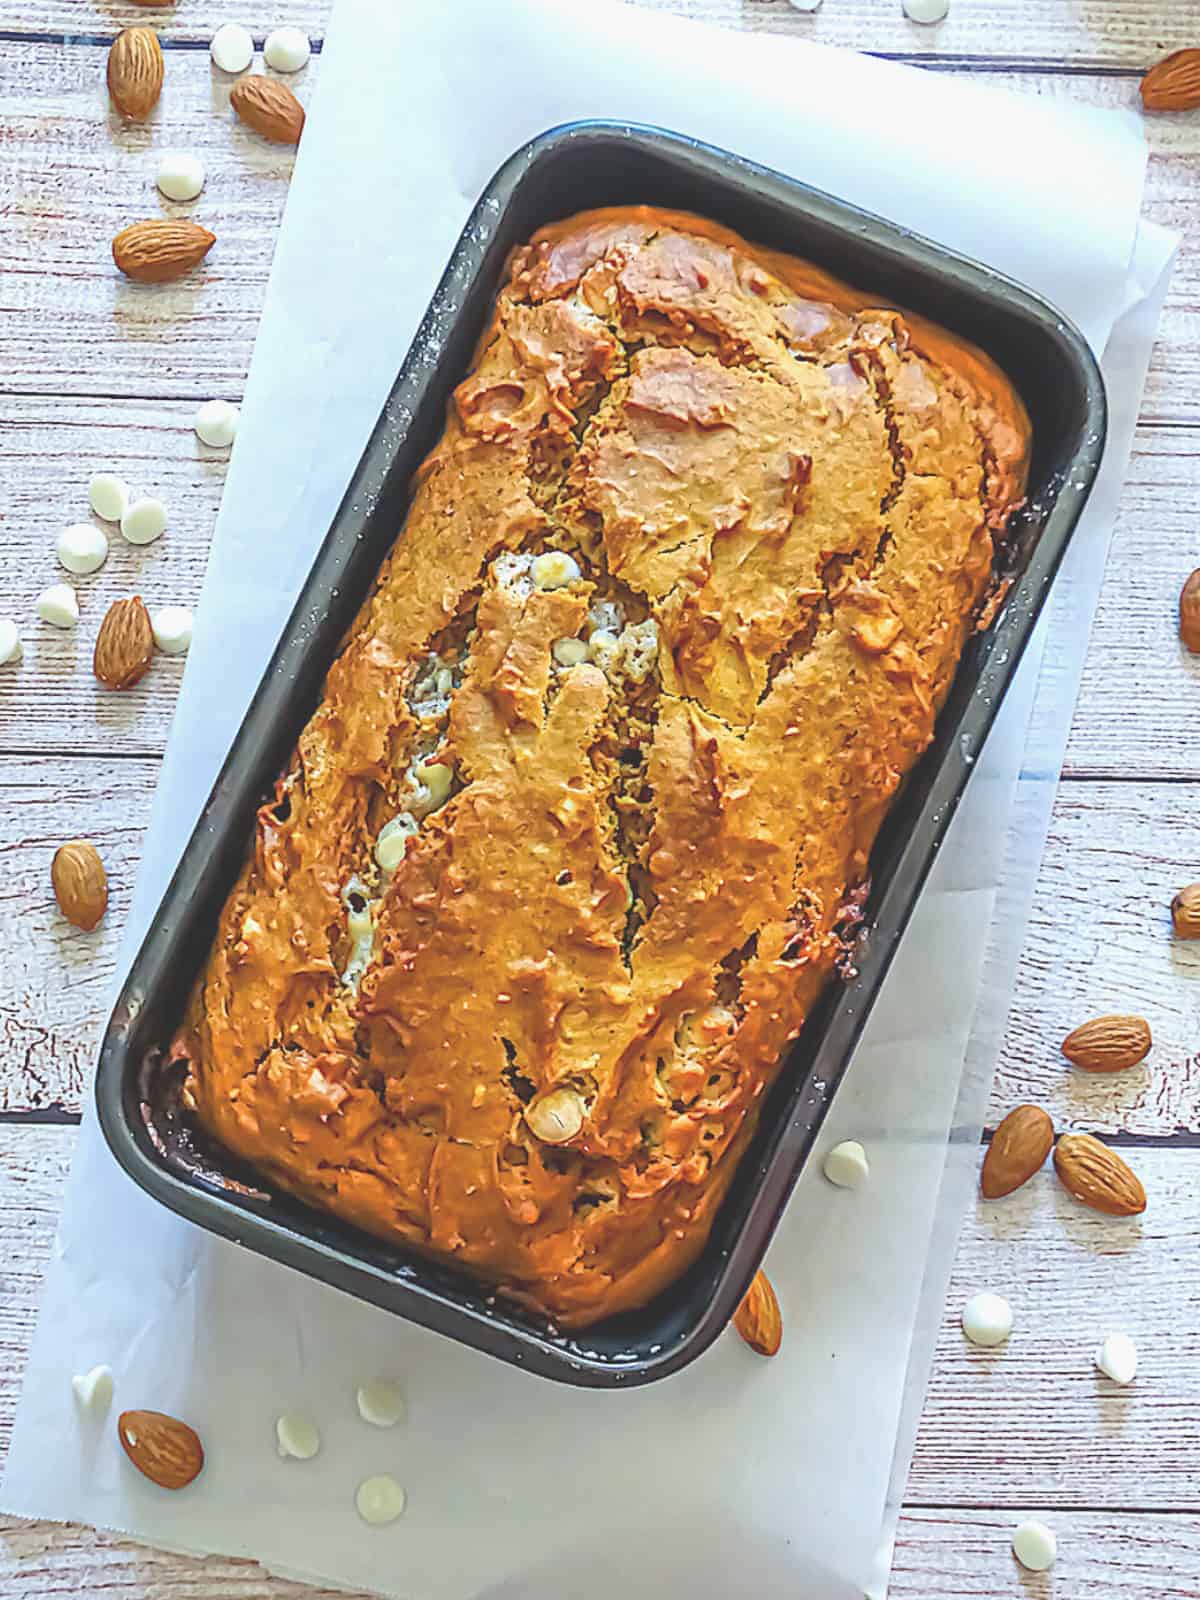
x,y
758,1319
80,883
1097,1176
124,645
162,1448
1019,1146
1108,1044
1185,912
161,248
1174,83
1189,612
269,107
135,72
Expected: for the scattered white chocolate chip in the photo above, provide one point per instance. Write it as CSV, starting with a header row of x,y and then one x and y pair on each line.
x,y
1117,1358
557,1116
232,48
554,569
391,845
58,605
287,49
82,548
805,5
10,641
925,10
987,1319
602,648
380,1402
431,782
108,495
569,652
1034,1546
172,628
846,1165
94,1389
216,423
296,1436
144,521
180,176
379,1499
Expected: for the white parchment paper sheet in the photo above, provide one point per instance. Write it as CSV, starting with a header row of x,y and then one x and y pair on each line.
x,y
737,1473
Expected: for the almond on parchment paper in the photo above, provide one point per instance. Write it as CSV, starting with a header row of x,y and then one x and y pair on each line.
x,y
1185,912
1189,612
269,107
162,1448
758,1319
135,72
1174,83
1108,1044
80,883
1019,1146
161,248
124,645
1097,1176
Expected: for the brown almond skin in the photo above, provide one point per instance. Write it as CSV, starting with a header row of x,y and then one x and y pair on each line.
x,y
124,645
1189,612
1019,1146
1108,1044
758,1318
135,72
269,107
162,1448
1185,912
80,883
1097,1176
160,249
1174,83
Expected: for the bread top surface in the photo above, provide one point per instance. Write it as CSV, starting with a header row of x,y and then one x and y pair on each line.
x,y
561,862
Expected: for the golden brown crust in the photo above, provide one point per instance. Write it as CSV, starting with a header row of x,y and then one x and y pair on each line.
x,y
533,1037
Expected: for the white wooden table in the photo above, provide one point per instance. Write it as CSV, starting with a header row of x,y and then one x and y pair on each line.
x,y
96,374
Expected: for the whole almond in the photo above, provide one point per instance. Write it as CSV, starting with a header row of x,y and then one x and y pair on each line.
x,y
135,72
161,248
1189,612
124,645
164,1449
1108,1044
269,107
1174,84
1097,1176
1019,1146
80,883
757,1319
1185,912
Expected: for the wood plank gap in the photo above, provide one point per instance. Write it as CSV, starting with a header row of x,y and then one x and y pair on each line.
x,y
44,1116
1012,66
1181,1139
1060,1508
101,41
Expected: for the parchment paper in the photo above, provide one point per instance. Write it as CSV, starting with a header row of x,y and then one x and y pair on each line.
x,y
738,1475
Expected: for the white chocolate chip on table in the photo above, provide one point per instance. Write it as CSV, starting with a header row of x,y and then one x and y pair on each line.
x,y
58,606
987,1319
144,521
846,1165
216,423
1117,1358
180,176
172,627
1035,1546
380,1402
296,1436
82,548
10,641
108,495
926,11
379,1500
94,1389
232,48
287,49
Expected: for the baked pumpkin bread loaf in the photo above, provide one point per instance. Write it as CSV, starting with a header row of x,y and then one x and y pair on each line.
x,y
560,863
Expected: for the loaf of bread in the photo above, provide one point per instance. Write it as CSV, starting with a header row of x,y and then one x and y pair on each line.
x,y
565,855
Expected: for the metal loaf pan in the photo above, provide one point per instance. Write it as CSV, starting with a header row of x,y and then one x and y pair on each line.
x,y
567,170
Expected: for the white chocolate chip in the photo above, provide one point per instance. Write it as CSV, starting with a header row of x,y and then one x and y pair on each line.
x,y
557,1117
1117,1358
379,1499
216,423
144,521
172,627
58,605
391,845
1035,1546
569,652
296,1436
554,569
380,1402
82,548
602,648
94,1389
232,48
108,495
427,786
10,641
926,10
806,5
287,49
180,176
846,1165
987,1319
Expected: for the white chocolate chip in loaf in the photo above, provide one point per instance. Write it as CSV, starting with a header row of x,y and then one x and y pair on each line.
x,y
557,1117
554,569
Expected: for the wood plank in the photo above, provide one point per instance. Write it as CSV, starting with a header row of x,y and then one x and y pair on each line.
x,y
1033,1422
63,201
52,446
1125,33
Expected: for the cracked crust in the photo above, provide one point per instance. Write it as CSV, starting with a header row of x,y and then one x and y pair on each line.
x,y
626,884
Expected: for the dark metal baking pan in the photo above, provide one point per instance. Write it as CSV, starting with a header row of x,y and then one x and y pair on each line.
x,y
567,170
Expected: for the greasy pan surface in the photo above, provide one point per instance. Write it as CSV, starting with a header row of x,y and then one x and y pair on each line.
x,y
582,166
